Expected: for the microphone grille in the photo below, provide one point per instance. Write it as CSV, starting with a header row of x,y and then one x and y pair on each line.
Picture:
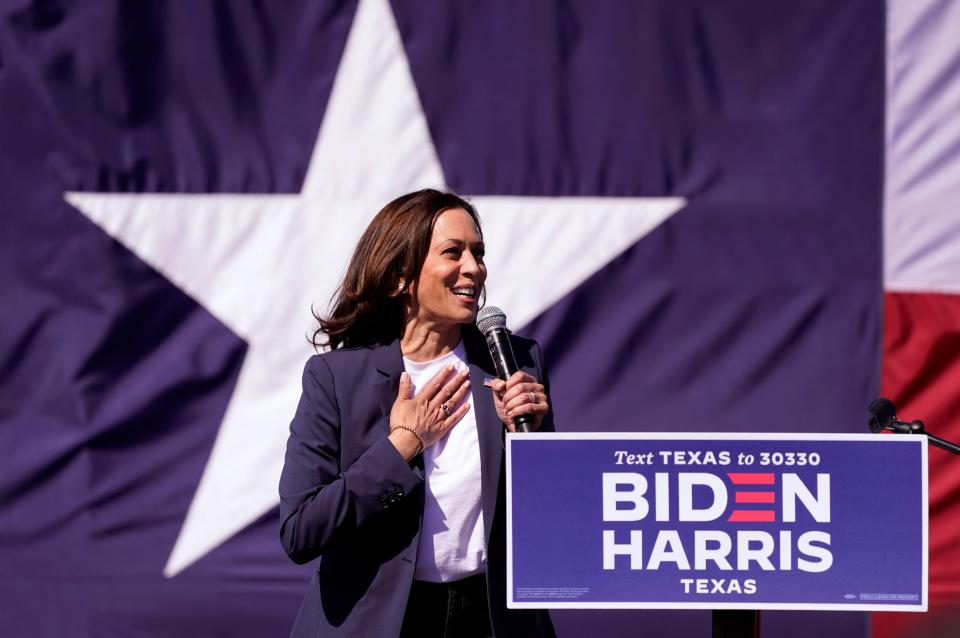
x,y
883,408
491,317
883,413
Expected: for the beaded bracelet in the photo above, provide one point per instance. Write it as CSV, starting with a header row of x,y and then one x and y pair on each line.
x,y
412,431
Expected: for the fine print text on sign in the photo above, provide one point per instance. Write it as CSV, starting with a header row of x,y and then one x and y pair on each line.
x,y
762,521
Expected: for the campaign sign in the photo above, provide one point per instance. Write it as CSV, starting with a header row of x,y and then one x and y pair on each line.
x,y
735,521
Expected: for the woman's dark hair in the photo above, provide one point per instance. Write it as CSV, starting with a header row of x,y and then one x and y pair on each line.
x,y
368,306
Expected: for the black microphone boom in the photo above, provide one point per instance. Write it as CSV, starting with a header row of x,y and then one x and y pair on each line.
x,y
493,324
883,416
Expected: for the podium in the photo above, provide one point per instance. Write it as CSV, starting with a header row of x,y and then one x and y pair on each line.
x,y
735,523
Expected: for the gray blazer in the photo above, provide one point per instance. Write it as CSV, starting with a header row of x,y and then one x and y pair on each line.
x,y
347,496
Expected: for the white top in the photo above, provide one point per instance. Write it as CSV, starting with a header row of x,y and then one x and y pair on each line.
x,y
451,538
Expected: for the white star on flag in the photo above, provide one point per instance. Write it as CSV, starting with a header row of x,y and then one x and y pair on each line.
x,y
257,262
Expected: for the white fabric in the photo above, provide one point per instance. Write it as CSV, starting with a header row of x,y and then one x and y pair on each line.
x,y
451,538
921,224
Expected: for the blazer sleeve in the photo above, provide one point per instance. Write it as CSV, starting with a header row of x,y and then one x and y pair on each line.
x,y
547,425
319,500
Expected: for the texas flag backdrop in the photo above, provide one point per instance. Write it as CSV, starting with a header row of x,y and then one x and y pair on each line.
x,y
735,216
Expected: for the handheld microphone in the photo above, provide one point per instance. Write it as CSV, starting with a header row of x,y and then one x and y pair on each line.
x,y
493,324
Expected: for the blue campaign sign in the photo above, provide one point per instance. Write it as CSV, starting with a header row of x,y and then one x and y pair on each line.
x,y
697,521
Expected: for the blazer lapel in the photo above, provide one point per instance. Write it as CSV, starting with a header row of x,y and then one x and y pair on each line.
x,y
489,427
389,364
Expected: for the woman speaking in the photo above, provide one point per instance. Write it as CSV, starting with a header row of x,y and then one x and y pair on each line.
x,y
393,473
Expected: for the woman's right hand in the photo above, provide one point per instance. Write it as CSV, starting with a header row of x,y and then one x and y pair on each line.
x,y
424,412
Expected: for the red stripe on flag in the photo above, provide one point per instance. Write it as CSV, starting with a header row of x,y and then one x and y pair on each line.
x,y
746,478
752,516
754,497
921,365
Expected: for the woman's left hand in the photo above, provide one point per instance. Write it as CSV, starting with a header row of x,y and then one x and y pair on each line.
x,y
520,394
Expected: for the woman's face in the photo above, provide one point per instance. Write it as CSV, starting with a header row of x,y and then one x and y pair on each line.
x,y
453,273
